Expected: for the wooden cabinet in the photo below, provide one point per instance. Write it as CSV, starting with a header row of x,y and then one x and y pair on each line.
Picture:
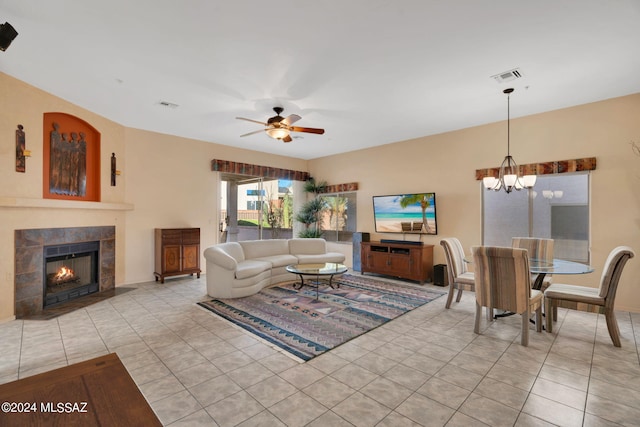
x,y
407,261
177,251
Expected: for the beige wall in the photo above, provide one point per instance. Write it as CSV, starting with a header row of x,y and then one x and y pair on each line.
x,y
446,164
166,181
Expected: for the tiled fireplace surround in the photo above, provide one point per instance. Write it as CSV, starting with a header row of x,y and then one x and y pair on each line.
x,y
29,256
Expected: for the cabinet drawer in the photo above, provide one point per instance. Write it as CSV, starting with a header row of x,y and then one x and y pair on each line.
x,y
171,237
191,237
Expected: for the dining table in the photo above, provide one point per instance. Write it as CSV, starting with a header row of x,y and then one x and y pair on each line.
x,y
540,268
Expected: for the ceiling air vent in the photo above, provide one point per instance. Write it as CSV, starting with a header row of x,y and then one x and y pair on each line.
x,y
507,76
168,104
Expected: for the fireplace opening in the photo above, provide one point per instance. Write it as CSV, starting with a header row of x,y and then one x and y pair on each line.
x,y
70,271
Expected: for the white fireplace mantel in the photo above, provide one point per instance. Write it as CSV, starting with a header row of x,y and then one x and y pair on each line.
x,y
19,202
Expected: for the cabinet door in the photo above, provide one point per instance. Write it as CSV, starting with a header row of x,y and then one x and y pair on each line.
x,y
171,258
378,261
399,264
190,257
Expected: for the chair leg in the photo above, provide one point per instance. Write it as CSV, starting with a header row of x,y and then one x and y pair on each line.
x,y
450,296
476,327
539,319
548,304
459,295
612,326
524,340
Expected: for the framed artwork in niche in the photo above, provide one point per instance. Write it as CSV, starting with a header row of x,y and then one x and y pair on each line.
x,y
71,153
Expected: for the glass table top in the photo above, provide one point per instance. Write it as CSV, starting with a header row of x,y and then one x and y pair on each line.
x,y
319,269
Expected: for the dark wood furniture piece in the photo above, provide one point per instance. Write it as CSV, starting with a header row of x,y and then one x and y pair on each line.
x,y
177,252
96,392
403,260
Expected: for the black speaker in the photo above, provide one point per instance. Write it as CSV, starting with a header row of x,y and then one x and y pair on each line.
x,y
440,276
7,34
358,237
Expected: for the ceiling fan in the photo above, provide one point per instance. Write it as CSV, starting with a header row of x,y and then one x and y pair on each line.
x,y
278,127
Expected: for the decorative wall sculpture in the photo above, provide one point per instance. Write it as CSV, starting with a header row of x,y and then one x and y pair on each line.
x,y
21,164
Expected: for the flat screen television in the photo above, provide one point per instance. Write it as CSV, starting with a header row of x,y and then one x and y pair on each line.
x,y
405,213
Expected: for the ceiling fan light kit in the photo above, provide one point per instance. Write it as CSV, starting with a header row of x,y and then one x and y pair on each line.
x,y
278,127
508,178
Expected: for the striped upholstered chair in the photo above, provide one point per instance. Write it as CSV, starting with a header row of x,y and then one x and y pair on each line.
x,y
503,281
597,300
459,278
538,248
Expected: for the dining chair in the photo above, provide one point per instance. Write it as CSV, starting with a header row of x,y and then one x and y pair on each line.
x,y
539,249
503,281
596,300
460,278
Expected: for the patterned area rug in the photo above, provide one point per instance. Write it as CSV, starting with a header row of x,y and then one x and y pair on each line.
x,y
305,327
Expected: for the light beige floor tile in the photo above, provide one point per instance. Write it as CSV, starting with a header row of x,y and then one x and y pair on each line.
x,y
302,376
214,390
297,410
560,393
250,374
234,409
444,392
271,391
489,411
394,419
425,411
406,376
175,407
504,393
263,419
387,392
459,376
612,410
197,374
461,420
329,391
354,376
198,419
375,363
552,412
361,410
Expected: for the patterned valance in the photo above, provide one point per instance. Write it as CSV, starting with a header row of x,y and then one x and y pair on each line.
x,y
342,188
560,166
257,170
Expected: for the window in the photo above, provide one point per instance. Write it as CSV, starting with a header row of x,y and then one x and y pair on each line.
x,y
339,217
557,208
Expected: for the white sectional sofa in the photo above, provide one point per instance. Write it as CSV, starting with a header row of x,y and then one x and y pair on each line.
x,y
240,269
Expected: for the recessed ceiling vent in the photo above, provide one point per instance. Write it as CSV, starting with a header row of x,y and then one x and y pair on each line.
x,y
507,76
168,104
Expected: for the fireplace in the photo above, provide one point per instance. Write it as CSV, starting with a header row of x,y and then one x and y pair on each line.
x,y
88,251
70,271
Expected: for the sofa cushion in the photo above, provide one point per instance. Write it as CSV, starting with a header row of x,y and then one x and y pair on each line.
x,y
279,260
301,246
250,268
233,249
254,249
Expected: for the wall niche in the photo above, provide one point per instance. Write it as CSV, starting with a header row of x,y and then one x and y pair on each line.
x,y
71,152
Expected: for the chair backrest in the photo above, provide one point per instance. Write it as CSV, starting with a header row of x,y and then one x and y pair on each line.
x,y
454,254
538,248
613,266
502,277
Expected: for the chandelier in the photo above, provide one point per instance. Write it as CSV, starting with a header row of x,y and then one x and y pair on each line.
x,y
509,178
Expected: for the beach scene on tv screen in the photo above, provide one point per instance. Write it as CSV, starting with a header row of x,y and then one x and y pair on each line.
x,y
405,213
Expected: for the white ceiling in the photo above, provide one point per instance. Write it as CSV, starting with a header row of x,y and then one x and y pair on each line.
x,y
370,72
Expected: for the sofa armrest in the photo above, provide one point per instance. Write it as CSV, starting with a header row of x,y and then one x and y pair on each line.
x,y
221,258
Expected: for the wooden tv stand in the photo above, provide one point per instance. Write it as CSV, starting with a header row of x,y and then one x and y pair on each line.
x,y
404,260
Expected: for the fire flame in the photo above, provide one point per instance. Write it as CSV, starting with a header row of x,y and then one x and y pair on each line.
x,y
64,273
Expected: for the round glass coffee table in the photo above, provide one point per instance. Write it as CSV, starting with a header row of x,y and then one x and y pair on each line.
x,y
317,274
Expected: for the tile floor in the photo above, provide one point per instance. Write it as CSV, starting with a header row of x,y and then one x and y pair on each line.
x,y
426,368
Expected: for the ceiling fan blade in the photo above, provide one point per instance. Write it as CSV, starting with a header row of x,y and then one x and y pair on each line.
x,y
287,138
308,130
252,133
252,121
291,119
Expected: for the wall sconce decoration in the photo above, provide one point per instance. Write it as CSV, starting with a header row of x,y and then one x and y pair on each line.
x,y
21,152
114,172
